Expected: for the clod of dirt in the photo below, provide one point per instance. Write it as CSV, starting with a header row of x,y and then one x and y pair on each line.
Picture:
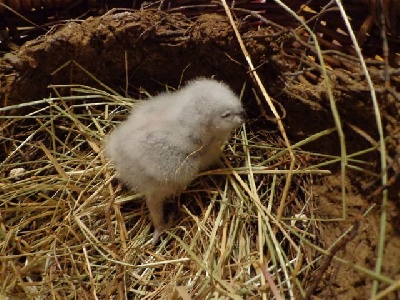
x,y
143,47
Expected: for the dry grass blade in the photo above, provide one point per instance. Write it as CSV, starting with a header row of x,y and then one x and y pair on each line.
x,y
382,147
270,104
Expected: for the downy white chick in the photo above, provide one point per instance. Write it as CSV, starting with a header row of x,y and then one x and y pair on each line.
x,y
168,139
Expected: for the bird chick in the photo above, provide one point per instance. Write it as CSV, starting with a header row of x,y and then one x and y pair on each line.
x,y
168,139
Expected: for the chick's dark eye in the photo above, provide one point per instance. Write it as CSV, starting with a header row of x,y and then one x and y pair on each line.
x,y
226,114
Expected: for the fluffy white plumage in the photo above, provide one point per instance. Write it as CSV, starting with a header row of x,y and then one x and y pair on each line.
x,y
168,139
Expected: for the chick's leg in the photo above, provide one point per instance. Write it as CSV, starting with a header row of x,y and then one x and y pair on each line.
x,y
155,204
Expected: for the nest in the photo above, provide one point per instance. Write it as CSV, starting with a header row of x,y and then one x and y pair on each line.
x,y
77,228
292,188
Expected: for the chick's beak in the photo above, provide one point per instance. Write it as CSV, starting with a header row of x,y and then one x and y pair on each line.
x,y
240,117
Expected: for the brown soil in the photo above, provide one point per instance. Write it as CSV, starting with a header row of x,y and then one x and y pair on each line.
x,y
343,281
151,49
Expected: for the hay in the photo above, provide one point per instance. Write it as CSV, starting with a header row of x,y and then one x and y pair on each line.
x,y
68,231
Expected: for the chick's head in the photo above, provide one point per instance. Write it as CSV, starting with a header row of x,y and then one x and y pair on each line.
x,y
213,106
